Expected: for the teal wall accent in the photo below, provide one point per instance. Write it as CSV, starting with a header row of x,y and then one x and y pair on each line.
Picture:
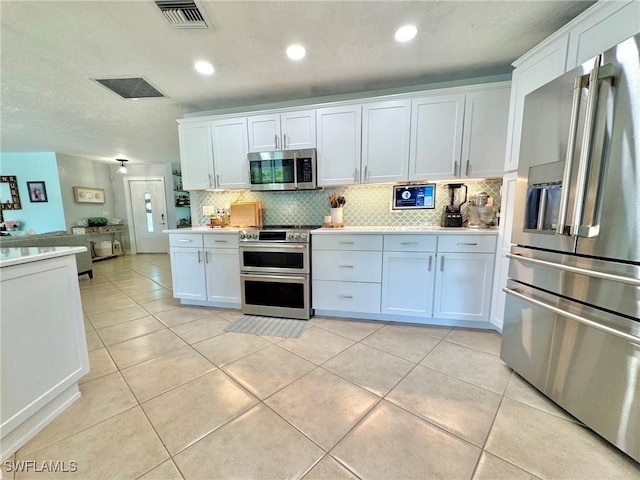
x,y
367,205
35,167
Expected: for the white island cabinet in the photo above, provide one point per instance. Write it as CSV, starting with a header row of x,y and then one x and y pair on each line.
x,y
43,344
205,267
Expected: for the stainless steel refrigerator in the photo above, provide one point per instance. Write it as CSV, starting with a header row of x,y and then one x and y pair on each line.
x,y
572,316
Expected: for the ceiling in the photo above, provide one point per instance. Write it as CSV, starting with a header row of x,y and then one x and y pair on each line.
x,y
51,49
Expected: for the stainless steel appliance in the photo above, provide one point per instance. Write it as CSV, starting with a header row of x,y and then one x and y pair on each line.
x,y
452,213
275,266
283,170
572,316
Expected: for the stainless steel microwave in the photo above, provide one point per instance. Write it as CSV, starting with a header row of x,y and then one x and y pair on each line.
x,y
283,170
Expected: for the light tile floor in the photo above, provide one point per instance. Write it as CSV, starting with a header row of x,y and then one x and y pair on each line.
x,y
171,395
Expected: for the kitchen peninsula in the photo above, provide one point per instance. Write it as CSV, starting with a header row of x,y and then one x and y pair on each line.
x,y
43,343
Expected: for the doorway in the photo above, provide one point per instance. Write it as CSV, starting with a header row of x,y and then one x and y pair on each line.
x,y
148,215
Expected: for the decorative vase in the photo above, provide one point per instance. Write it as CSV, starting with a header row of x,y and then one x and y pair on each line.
x,y
336,215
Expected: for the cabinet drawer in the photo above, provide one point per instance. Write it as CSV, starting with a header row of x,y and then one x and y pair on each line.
x,y
410,243
347,266
220,240
467,243
346,296
185,240
341,241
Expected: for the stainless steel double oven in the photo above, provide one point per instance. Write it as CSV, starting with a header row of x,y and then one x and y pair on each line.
x,y
275,267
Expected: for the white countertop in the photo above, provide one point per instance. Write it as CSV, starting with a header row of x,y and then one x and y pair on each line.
x,y
17,256
408,229
367,229
204,230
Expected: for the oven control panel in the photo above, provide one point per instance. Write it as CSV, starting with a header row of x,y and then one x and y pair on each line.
x,y
286,236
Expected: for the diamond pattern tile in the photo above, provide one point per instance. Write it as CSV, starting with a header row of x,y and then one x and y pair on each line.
x,y
366,205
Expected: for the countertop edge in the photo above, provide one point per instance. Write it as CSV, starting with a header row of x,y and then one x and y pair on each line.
x,y
403,231
19,256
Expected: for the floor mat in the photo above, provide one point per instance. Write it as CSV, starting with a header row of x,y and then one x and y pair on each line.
x,y
272,326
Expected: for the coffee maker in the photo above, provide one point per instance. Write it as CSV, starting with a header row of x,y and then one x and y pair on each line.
x,y
452,213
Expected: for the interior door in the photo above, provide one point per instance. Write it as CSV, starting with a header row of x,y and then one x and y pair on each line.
x,y
149,213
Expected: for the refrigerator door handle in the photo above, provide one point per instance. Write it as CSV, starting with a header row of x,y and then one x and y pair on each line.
x,y
578,84
572,316
580,271
578,228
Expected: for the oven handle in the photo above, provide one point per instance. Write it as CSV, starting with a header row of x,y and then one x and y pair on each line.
x,y
262,246
287,278
572,316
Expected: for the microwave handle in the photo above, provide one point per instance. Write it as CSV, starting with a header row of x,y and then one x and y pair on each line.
x,y
295,171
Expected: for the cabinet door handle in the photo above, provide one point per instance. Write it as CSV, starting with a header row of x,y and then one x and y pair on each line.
x,y
455,168
430,262
284,141
276,137
409,243
366,171
466,172
184,240
346,243
345,266
442,263
355,176
220,241
469,243
345,296
206,257
218,180
199,257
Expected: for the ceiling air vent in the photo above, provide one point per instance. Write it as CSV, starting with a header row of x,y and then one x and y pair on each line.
x,y
130,87
181,13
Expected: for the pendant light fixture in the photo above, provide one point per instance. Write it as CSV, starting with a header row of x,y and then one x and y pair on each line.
x,y
122,168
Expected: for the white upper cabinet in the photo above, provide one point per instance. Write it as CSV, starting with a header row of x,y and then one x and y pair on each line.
x,y
339,131
484,135
282,131
196,155
298,129
436,136
541,67
230,148
603,26
385,141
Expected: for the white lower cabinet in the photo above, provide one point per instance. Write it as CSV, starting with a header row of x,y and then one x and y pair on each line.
x,y
423,278
463,286
222,272
187,273
346,279
464,277
407,283
205,275
354,297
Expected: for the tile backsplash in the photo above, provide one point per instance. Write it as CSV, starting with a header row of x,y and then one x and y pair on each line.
x,y
367,205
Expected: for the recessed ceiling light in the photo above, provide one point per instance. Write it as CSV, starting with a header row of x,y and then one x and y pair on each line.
x,y
406,33
205,68
296,52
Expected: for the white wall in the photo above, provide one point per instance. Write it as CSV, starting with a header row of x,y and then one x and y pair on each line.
x,y
81,172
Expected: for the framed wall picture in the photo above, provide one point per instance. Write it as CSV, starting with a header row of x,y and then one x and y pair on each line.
x,y
88,195
37,192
